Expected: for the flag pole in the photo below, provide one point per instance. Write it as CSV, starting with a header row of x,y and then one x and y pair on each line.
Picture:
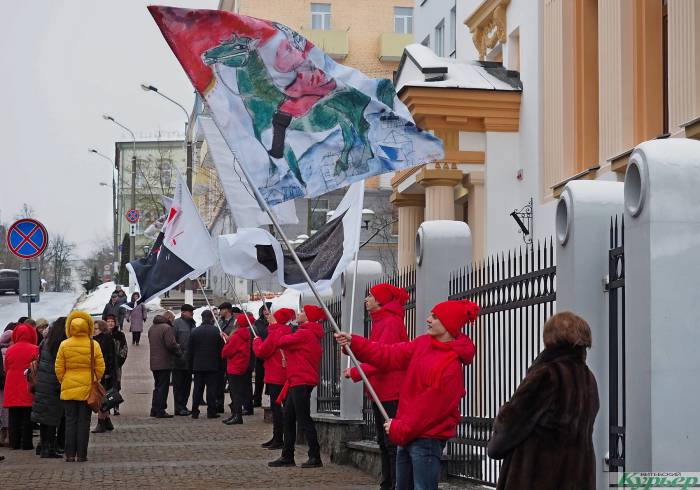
x,y
216,320
352,297
261,296
265,207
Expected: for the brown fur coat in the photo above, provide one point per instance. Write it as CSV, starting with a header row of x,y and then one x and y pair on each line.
x,y
544,433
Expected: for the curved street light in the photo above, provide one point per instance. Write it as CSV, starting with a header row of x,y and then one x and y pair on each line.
x,y
115,224
132,239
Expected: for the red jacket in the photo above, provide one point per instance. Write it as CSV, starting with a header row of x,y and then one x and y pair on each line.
x,y
387,328
237,351
432,388
303,351
19,355
275,368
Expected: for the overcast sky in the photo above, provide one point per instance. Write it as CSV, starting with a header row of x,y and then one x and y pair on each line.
x,y
65,63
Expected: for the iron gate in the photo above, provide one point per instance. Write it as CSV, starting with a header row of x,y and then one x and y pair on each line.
x,y
517,294
616,325
328,398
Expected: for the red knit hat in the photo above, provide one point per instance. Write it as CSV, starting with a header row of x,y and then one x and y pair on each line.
x,y
284,315
314,313
385,292
242,322
455,314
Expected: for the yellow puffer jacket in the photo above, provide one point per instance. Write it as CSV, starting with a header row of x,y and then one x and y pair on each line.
x,y
73,358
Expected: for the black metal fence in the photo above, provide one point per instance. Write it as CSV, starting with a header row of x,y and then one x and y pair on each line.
x,y
616,324
406,279
328,398
516,293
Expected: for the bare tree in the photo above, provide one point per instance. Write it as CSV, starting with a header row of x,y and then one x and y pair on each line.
x,y
100,256
59,253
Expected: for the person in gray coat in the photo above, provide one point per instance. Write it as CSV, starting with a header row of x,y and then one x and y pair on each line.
x,y
47,409
114,307
182,371
164,350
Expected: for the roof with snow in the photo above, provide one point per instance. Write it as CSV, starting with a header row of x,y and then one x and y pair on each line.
x,y
421,67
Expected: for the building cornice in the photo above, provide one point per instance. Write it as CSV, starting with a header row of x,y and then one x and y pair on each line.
x,y
464,109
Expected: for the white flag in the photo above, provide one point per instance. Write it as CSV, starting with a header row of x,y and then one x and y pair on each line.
x,y
253,253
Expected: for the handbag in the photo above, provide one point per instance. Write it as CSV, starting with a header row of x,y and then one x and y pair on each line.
x,y
32,375
97,391
112,399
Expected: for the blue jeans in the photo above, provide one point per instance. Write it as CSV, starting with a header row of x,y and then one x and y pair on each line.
x,y
418,465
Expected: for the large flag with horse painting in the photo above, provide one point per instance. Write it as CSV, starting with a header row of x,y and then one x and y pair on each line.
x,y
301,123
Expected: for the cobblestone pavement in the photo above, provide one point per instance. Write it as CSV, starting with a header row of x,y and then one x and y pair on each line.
x,y
143,452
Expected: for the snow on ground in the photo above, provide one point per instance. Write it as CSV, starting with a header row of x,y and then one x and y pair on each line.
x,y
50,306
288,299
95,302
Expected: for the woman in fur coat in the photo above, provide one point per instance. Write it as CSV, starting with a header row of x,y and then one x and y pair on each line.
x,y
544,434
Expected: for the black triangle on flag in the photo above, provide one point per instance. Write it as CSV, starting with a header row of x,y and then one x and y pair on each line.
x,y
159,271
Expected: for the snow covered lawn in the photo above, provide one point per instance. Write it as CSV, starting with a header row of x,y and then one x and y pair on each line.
x,y
94,303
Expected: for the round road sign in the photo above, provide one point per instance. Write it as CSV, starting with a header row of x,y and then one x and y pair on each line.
x,y
133,215
27,238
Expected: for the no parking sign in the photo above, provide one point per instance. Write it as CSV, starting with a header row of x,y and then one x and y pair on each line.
x,y
27,238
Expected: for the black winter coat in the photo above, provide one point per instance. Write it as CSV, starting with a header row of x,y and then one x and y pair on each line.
x,y
204,348
114,309
47,407
544,434
109,352
182,328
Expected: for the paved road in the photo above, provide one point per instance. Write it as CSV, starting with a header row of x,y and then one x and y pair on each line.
x,y
51,306
7,298
143,452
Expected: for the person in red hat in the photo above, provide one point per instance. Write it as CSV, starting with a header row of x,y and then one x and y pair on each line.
x,y
237,355
275,364
434,384
385,305
303,351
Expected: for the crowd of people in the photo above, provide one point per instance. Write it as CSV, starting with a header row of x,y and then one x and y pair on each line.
x,y
47,373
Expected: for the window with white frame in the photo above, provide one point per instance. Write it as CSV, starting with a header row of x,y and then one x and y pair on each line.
x,y
403,20
440,38
453,32
321,16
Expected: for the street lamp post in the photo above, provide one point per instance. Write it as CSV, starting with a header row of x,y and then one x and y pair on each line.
x,y
189,293
115,245
132,238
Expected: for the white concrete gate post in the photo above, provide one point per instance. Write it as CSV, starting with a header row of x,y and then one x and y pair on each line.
x,y
582,226
351,398
662,294
442,247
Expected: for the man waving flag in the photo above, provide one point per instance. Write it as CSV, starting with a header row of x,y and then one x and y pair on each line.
x,y
184,249
301,124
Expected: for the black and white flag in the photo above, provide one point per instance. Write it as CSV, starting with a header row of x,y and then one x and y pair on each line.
x,y
253,253
184,249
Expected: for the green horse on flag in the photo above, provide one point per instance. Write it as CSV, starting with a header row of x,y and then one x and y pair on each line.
x,y
301,124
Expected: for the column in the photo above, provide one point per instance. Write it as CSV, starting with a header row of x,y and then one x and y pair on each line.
x,y
477,213
439,186
411,207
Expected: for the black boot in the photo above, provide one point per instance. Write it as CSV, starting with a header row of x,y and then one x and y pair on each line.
x,y
108,424
235,420
276,444
280,123
99,428
313,462
268,443
281,462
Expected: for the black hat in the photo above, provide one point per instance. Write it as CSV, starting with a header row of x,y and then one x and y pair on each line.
x,y
236,309
226,306
187,307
